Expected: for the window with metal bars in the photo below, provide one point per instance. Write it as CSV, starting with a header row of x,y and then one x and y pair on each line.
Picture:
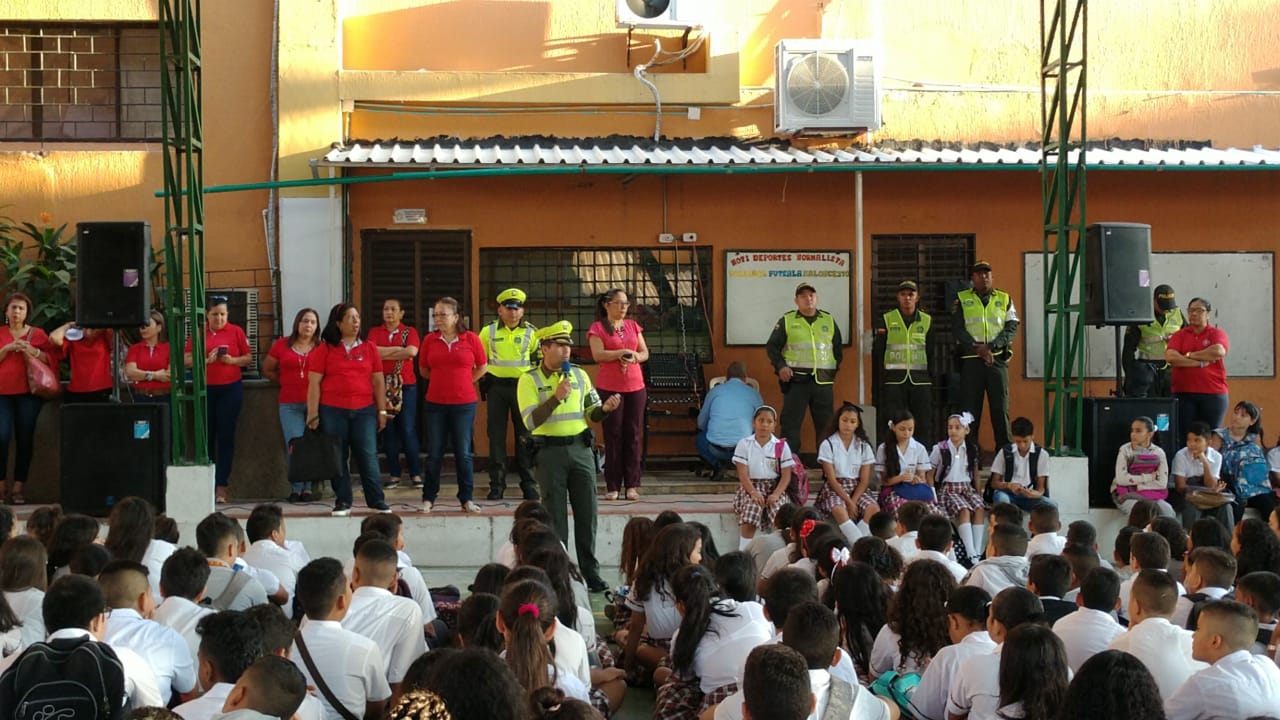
x,y
940,266
64,81
669,288
417,267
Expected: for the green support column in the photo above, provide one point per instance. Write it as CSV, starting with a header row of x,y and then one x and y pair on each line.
x,y
180,92
1063,47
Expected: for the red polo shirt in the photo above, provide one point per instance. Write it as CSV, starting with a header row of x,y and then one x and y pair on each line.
x,y
218,372
1211,378
292,368
403,336
90,359
13,369
450,366
348,374
149,358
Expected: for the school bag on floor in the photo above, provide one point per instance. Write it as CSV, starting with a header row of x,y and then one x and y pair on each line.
x,y
71,678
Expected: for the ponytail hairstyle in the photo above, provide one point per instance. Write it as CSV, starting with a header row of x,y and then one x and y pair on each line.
x,y
830,552
536,537
861,600
833,426
1033,672
604,298
796,536
670,552
527,613
551,703
1016,606
636,536
695,590
331,335
892,465
456,307
555,562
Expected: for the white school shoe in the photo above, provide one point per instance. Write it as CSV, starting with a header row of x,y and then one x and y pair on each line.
x,y
426,506
470,507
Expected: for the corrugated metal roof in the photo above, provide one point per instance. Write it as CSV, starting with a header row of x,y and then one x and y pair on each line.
x,y
445,152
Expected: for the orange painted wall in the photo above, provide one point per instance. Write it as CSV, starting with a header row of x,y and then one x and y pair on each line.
x,y
1188,211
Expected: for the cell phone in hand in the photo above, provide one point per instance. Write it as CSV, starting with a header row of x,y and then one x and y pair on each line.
x,y
222,350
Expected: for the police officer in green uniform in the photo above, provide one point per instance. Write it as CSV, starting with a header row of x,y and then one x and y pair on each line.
x,y
1147,374
509,345
903,361
805,350
985,325
557,401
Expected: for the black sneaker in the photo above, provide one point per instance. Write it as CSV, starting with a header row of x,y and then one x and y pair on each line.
x,y
380,507
391,483
494,495
340,510
530,494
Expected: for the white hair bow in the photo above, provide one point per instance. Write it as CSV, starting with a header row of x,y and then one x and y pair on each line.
x,y
840,556
965,418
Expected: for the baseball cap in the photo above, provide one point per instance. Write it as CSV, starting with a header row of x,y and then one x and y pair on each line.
x,y
980,266
908,285
511,297
803,286
560,332
1165,298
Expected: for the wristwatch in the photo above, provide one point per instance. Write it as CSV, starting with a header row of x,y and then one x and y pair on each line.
x,y
149,376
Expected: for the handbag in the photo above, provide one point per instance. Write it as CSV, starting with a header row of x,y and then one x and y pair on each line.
x,y
314,457
1208,499
42,381
395,383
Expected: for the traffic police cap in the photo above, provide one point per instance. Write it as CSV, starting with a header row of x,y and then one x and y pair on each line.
x,y
908,285
511,297
558,332
1165,298
980,266
805,287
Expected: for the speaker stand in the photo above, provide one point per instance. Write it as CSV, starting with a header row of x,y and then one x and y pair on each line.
x,y
1119,391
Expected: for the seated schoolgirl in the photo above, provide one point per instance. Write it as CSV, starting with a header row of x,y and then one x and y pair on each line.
x,y
955,477
764,471
917,622
1142,471
654,617
847,461
527,620
903,465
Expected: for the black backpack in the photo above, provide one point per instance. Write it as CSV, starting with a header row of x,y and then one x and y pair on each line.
x,y
65,679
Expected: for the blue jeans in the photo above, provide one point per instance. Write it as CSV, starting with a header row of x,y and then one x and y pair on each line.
x,y
293,421
457,421
714,455
18,415
402,430
358,430
1026,503
223,413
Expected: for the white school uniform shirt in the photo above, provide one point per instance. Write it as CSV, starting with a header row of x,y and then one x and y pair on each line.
x,y
847,462
251,594
1191,469
975,688
165,651
722,652
762,547
412,578
269,556
27,605
1273,459
1046,544
207,705
1021,472
865,705
957,570
182,615
1085,633
999,573
777,561
761,460
916,456
140,686
929,702
886,655
1182,611
507,554
1164,648
1239,685
393,623
661,616
268,580
350,663
958,472
905,545
571,652
1126,591
153,558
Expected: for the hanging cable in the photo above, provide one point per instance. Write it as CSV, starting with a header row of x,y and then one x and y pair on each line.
x,y
657,98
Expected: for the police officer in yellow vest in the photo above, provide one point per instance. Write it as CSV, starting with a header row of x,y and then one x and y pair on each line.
x,y
1147,374
902,367
557,401
805,349
985,325
509,345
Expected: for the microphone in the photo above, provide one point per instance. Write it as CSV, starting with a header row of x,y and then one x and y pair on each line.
x,y
565,368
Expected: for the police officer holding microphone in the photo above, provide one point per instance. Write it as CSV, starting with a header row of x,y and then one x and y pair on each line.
x,y
557,401
508,344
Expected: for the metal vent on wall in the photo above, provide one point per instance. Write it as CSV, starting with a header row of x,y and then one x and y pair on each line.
x,y
242,310
826,86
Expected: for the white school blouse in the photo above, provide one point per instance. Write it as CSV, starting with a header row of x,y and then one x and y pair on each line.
x,y
846,462
958,472
915,457
660,614
761,461
722,652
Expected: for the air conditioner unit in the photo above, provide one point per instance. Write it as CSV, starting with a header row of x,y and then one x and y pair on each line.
x,y
826,86
242,310
656,13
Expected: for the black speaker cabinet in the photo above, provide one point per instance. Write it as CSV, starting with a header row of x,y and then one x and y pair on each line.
x,y
111,451
113,274
1106,428
1118,285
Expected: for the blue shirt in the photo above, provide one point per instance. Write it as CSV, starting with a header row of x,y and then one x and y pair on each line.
x,y
726,413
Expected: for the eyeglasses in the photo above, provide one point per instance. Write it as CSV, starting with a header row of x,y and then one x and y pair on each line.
x,y
1194,309
620,303
443,314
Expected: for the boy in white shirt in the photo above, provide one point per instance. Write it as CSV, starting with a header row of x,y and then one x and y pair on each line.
x,y
269,546
391,528
967,610
1092,627
1210,574
1147,551
217,538
910,515
270,688
933,542
230,642
1260,590
277,639
1162,646
1008,565
1196,468
182,580
1044,526
276,591
1083,560
1048,577
130,625
1020,471
1237,683
393,623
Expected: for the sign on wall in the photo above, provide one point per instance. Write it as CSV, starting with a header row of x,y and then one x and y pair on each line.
x,y
760,286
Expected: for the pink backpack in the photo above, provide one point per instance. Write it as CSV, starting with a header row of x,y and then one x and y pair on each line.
x,y
798,488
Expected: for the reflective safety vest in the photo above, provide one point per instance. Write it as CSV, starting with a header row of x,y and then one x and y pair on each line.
x,y
1154,336
983,322
811,345
905,349
569,418
509,350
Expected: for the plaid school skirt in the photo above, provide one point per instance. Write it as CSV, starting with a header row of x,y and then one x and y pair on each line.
x,y
749,513
890,501
955,497
828,500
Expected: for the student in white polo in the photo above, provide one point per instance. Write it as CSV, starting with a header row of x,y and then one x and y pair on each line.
x,y
130,625
229,643
182,580
393,623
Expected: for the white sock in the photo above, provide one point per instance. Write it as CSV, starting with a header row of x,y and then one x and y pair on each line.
x,y
966,537
979,539
743,542
851,531
865,528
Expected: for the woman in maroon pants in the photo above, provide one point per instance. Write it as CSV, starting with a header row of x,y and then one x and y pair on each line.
x,y
617,344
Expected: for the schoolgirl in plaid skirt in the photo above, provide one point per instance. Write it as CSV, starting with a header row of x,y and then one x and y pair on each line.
x,y
847,461
654,616
903,464
762,476
955,475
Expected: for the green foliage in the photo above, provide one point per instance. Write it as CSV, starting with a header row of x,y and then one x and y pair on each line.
x,y
39,262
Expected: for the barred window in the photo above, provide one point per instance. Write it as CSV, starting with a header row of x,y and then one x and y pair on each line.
x,y
96,82
669,288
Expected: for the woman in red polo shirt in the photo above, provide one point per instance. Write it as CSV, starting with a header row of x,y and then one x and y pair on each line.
x,y
287,364
227,351
147,364
346,397
398,346
89,352
18,407
452,359
1198,354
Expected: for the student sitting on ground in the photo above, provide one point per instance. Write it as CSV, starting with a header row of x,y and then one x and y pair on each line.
x,y
910,515
272,687
276,631
230,641
1123,553
1261,592
917,626
1082,561
933,541
1162,646
1148,551
1008,565
967,609
129,596
182,581
226,588
1210,575
393,623
1048,578
1237,683
976,691
1044,526
270,548
1091,628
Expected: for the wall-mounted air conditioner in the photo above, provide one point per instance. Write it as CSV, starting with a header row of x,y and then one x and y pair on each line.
x,y
826,86
657,13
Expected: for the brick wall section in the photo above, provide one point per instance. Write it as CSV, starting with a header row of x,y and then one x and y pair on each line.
x,y
79,82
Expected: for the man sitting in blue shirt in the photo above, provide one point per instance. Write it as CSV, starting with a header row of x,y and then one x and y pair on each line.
x,y
725,417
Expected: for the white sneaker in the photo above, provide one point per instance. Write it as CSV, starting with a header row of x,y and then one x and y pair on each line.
x,y
470,507
426,506
341,511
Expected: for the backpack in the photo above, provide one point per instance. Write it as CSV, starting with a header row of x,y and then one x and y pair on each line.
x,y
1033,457
64,679
897,688
798,488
